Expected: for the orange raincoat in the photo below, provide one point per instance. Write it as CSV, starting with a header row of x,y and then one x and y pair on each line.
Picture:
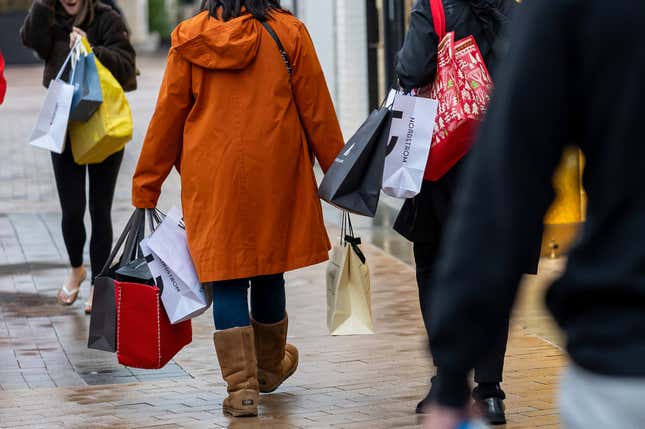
x,y
242,132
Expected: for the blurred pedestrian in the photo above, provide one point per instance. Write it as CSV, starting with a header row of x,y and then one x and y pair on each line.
x,y
114,5
579,82
423,218
3,81
50,29
242,122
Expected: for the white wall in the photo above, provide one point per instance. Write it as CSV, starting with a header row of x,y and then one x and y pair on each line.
x,y
339,31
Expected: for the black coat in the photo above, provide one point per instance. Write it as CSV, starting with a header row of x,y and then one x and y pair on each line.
x,y
422,218
46,30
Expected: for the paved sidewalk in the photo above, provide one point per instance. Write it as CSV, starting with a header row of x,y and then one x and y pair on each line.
x,y
48,377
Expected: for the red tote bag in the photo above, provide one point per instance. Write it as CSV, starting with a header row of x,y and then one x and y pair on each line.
x,y
462,87
145,338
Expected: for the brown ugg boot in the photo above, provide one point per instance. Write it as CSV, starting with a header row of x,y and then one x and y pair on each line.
x,y
277,360
236,354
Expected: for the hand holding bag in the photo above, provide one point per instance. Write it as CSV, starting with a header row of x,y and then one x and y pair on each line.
x,y
349,306
462,87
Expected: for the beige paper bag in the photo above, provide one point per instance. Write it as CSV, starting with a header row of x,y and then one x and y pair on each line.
x,y
349,307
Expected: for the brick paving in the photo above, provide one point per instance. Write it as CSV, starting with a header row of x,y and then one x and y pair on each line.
x,y
48,378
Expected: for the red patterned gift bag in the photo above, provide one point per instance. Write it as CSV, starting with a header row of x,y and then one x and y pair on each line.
x,y
462,87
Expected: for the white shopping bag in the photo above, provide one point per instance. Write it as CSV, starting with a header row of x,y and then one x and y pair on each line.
x,y
51,127
413,120
170,263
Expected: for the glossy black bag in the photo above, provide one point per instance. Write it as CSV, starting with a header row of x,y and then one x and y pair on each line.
x,y
353,182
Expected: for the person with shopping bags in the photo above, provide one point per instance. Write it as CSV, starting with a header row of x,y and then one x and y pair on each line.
x,y
242,111
51,28
422,218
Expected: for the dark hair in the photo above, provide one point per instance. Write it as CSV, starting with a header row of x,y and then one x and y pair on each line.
x,y
233,8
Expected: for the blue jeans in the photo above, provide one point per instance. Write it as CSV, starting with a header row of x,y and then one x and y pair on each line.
x,y
231,301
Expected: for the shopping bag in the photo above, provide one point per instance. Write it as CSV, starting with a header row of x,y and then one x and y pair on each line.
x,y
87,88
102,334
50,131
353,182
169,260
462,87
3,81
109,129
349,308
145,337
408,144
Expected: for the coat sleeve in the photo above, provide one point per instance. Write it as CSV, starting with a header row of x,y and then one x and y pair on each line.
x,y
495,225
36,33
314,102
116,52
416,62
163,143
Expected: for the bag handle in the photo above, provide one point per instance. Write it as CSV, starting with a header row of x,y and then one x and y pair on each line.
x,y
438,18
72,52
283,52
348,237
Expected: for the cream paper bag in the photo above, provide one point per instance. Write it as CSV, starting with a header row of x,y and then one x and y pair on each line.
x,y
349,307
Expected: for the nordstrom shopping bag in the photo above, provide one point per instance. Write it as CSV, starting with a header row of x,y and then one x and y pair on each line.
x,y
353,182
109,129
87,88
349,307
171,264
51,126
409,143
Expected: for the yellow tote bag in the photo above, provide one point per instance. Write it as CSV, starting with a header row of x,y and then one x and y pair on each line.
x,y
109,129
349,306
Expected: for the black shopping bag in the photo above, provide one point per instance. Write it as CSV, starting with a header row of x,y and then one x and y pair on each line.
x,y
353,182
88,95
102,334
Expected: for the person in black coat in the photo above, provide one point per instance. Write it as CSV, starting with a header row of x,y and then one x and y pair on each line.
x,y
580,82
422,219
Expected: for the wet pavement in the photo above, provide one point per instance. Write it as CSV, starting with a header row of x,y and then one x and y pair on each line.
x,y
48,377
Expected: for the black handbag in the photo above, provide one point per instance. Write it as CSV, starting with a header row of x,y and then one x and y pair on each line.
x,y
353,182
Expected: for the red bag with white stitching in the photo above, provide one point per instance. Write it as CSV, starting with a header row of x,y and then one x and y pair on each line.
x,y
145,338
462,87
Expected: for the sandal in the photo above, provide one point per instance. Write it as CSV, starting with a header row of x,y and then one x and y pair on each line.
x,y
68,297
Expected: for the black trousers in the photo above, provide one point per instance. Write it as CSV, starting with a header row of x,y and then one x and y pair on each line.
x,y
70,182
490,369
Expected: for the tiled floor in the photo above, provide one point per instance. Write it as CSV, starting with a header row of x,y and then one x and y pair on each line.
x,y
48,378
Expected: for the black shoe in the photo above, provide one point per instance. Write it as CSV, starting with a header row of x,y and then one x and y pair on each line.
x,y
492,410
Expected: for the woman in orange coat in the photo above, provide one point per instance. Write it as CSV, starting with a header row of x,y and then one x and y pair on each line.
x,y
242,125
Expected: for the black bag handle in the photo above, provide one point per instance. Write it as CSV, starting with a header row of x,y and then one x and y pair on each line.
x,y
132,235
283,52
348,237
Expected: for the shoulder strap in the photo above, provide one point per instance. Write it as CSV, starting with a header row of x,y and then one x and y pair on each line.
x,y
283,52
438,18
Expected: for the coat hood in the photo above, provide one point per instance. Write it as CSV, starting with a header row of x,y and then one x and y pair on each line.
x,y
217,45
